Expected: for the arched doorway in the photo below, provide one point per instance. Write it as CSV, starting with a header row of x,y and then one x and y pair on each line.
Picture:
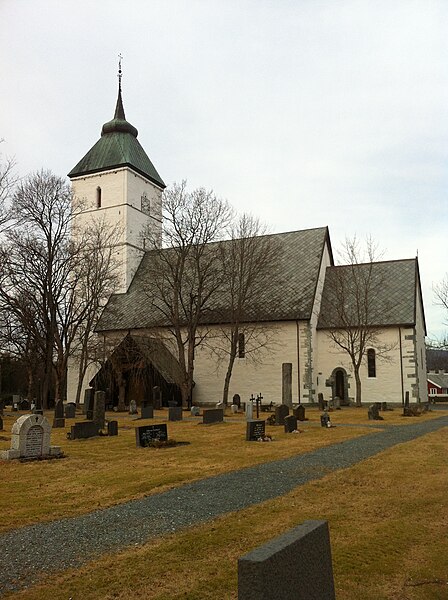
x,y
340,385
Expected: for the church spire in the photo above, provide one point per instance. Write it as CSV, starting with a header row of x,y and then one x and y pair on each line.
x,y
119,110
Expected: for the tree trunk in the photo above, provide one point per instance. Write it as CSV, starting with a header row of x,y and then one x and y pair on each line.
x,y
358,387
232,356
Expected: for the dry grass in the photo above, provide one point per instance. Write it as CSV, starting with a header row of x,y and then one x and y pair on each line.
x,y
388,519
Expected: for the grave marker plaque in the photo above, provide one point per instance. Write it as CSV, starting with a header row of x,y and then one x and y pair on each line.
x,y
112,428
70,410
281,412
290,423
147,411
255,430
175,413
150,433
299,412
213,415
84,430
89,403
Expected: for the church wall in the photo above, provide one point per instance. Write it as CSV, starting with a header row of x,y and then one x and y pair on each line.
x,y
421,350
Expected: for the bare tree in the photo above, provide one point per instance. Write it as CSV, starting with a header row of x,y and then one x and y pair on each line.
x,y
352,312
249,263
441,295
8,181
183,275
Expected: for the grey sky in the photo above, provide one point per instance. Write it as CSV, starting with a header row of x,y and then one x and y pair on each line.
x,y
305,113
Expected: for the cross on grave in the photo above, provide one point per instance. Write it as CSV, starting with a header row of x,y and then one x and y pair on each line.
x,y
258,400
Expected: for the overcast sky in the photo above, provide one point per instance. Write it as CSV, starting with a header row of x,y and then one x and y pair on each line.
x,y
305,113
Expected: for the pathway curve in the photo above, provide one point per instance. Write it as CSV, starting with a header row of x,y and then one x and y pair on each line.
x,y
48,547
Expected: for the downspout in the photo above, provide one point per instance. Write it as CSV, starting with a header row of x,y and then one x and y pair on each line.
x,y
401,367
298,361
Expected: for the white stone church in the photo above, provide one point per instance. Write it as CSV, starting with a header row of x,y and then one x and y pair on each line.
x,y
117,180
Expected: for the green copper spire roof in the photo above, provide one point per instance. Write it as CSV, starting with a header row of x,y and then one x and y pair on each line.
x,y
117,147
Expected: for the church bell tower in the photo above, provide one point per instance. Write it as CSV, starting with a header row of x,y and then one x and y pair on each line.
x,y
117,181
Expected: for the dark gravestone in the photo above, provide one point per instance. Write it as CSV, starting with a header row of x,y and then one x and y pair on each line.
x,y
374,412
255,430
24,405
213,415
150,433
70,410
59,410
175,413
299,412
89,401
58,423
99,409
287,384
147,411
290,424
281,412
325,420
321,401
83,430
294,566
236,400
112,428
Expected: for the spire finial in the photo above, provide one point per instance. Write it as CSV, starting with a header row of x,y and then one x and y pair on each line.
x,y
120,73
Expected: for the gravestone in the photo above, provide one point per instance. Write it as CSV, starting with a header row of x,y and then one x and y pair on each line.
x,y
59,420
299,412
195,411
89,402
84,430
290,423
234,409
112,428
321,401
236,400
175,413
249,410
24,405
99,409
294,566
281,412
150,433
337,403
374,412
213,415
325,420
147,411
31,439
133,408
255,430
287,384
70,410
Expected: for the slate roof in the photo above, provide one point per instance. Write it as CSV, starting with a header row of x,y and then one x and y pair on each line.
x,y
395,285
289,296
117,147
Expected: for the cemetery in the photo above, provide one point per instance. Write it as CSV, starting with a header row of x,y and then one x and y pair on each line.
x,y
99,448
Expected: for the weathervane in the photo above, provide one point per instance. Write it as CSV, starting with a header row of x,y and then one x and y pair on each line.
x,y
120,58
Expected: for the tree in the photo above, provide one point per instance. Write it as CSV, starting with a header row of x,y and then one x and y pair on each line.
x,y
184,274
8,181
249,263
441,294
351,312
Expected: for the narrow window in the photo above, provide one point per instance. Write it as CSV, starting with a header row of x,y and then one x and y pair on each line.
x,y
98,197
371,362
241,346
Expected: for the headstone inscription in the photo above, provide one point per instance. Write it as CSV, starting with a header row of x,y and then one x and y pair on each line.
x,y
89,402
84,430
287,384
290,423
281,412
150,433
255,430
59,420
296,565
147,411
175,413
133,408
70,410
99,409
299,412
213,415
31,439
112,428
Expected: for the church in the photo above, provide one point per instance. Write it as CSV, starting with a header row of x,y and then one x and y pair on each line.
x,y
301,359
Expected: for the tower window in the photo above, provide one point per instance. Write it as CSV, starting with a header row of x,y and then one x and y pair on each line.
x,y
98,197
371,362
241,346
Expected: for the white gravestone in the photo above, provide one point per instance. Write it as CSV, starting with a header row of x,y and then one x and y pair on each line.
x,y
30,439
249,410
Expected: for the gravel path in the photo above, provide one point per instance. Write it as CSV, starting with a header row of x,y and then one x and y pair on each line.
x,y
27,552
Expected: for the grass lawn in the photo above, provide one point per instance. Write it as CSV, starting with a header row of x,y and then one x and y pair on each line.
x,y
388,516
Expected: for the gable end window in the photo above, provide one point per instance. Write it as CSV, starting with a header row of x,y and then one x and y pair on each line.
x,y
98,197
371,362
241,346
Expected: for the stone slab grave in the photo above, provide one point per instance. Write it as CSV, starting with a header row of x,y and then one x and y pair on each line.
x,y
255,430
287,384
290,423
175,413
321,401
325,420
31,439
112,428
299,412
99,409
373,413
84,430
59,420
146,434
213,415
70,410
89,400
281,412
249,410
295,566
147,411
133,410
